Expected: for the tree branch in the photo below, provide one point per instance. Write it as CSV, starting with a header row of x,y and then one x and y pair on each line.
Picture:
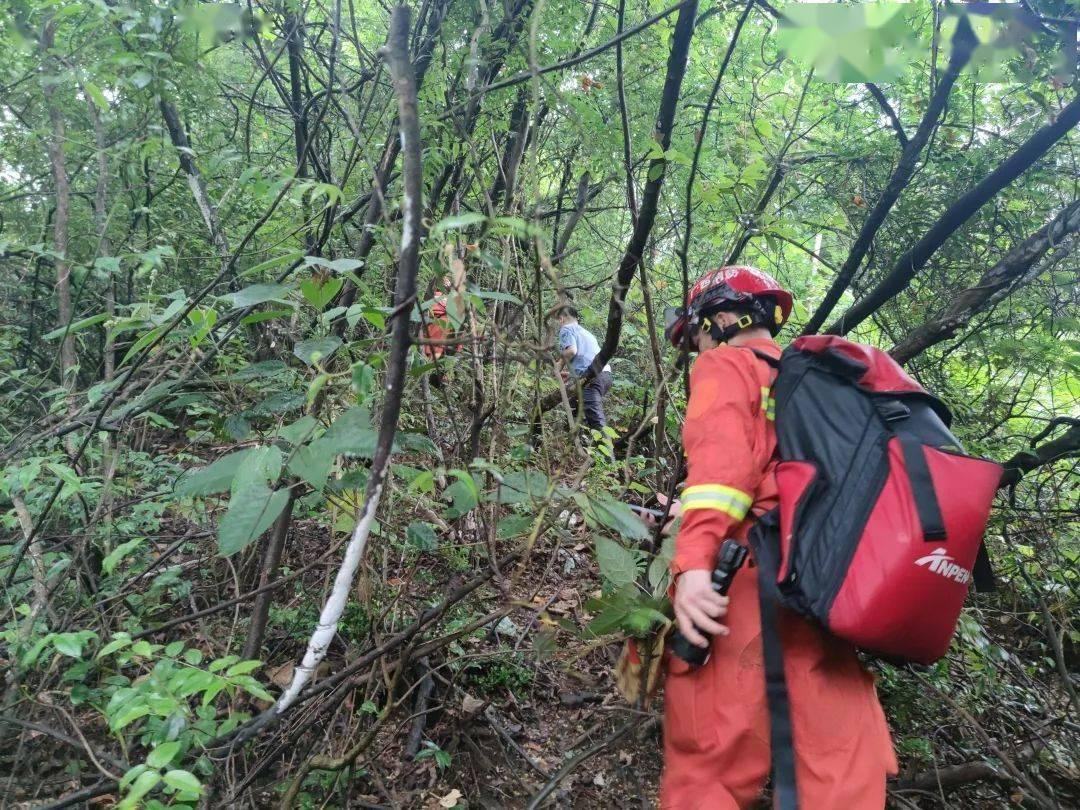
x,y
995,283
1068,444
962,209
887,108
404,80
964,43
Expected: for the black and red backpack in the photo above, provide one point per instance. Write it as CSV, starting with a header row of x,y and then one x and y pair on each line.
x,y
879,529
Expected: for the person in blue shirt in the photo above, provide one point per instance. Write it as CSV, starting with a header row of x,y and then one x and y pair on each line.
x,y
578,347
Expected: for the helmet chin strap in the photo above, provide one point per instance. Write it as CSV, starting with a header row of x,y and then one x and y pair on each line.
x,y
722,334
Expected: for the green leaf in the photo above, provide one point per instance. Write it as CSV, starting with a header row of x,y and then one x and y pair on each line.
x,y
270,264
163,754
85,323
262,465
108,565
243,668
457,222
319,293
463,494
616,515
96,96
141,78
658,568
147,781
422,536
618,565
278,404
118,643
143,342
184,781
513,526
251,512
174,649
258,294
363,378
128,715
218,477
299,431
313,463
316,349
69,644
193,657
523,487
351,433
656,171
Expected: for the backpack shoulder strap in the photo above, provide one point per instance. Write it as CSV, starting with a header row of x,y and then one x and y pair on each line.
x,y
768,358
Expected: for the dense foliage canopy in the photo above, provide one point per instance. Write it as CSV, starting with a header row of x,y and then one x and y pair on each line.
x,y
269,539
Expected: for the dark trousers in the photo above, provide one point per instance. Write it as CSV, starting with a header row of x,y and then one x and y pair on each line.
x,y
593,398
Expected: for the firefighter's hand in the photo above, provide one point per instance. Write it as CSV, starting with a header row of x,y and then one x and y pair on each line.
x,y
673,514
698,606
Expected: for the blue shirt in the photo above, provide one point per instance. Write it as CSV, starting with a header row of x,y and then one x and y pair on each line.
x,y
585,347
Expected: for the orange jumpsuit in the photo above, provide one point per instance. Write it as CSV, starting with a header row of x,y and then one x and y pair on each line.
x,y
438,328
716,723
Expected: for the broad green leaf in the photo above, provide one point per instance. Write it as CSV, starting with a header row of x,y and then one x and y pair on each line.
x,y
122,640
658,568
252,511
363,379
183,781
163,754
270,264
265,370
615,515
243,668
96,96
146,781
513,526
218,477
143,342
128,715
258,294
278,404
316,349
69,644
299,431
523,487
457,222
351,433
319,293
313,462
108,565
618,564
422,536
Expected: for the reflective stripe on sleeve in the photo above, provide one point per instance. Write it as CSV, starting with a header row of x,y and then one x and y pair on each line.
x,y
768,404
729,500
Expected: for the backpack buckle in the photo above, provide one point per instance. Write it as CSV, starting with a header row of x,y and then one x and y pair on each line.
x,y
892,410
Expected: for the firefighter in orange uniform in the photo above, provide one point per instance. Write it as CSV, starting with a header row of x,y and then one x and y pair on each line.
x,y
716,722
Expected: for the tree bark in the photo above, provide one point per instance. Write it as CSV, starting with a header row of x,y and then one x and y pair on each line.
x,y
271,558
1068,444
908,265
195,181
61,217
997,282
404,82
650,198
964,43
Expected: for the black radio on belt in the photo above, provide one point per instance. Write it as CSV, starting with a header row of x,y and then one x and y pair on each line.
x,y
728,562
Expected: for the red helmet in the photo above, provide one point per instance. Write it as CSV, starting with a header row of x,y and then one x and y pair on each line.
x,y
727,287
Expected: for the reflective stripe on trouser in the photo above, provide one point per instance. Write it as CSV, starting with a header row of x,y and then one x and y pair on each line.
x,y
727,499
